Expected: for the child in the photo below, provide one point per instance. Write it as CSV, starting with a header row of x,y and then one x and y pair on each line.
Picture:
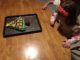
x,y
76,27
74,38
57,7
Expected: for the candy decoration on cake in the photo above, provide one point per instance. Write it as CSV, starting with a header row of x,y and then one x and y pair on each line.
x,y
17,24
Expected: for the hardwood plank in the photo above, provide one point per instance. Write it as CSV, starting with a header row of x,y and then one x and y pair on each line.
x,y
47,43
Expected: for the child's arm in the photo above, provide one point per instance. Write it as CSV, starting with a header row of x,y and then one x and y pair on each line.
x,y
46,4
71,41
74,39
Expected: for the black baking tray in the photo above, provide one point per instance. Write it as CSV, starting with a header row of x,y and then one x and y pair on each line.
x,y
34,26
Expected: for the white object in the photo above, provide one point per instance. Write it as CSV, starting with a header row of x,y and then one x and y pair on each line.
x,y
56,2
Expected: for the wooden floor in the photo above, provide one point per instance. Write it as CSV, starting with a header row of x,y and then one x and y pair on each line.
x,y
46,45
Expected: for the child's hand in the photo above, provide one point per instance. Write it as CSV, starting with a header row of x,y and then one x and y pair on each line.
x,y
67,44
70,41
44,7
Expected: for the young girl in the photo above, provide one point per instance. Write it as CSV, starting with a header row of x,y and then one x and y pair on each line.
x,y
57,7
74,38
74,20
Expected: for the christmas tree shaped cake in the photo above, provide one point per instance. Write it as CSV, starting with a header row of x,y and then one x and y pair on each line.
x,y
17,24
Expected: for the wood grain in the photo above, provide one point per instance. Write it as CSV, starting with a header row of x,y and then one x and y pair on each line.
x,y
48,43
